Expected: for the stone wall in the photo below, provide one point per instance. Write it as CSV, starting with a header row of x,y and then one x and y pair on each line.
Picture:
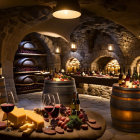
x,y
95,90
92,37
53,60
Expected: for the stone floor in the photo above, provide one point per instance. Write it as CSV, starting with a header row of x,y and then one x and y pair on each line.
x,y
97,104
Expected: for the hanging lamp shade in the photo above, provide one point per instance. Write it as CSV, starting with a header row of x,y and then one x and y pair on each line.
x,y
67,9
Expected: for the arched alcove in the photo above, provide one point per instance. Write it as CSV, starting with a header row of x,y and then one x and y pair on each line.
x,y
135,63
18,26
100,62
72,65
112,67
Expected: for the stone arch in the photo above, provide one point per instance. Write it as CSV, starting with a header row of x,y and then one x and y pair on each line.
x,y
18,22
106,58
134,64
72,64
124,40
53,60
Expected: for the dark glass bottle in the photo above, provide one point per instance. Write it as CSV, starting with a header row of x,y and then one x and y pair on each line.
x,y
128,76
127,79
77,102
120,77
73,104
135,75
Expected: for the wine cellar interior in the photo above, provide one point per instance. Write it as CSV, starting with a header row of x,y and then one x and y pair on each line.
x,y
95,54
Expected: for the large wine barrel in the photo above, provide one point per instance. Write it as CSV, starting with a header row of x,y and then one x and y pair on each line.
x,y
25,79
125,108
27,45
2,91
65,90
25,62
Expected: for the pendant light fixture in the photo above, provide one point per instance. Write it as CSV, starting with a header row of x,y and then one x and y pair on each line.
x,y
67,9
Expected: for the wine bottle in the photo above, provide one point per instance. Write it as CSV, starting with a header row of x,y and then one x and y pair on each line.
x,y
73,104
120,78
123,77
127,79
135,75
77,103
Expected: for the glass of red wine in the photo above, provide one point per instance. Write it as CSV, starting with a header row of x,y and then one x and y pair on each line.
x,y
48,103
8,106
56,110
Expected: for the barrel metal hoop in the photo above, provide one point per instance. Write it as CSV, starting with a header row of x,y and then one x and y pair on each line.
x,y
125,109
125,122
126,99
126,91
133,95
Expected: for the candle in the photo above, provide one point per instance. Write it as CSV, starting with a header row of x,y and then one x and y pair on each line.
x,y
130,85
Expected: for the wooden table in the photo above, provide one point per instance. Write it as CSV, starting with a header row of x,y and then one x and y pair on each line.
x,y
95,80
76,134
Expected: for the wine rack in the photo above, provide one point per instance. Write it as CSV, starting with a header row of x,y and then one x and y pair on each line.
x,y
28,62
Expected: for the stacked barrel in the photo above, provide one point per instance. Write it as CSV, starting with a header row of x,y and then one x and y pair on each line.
x,y
26,64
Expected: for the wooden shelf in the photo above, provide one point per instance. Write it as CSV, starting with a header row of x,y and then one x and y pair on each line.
x,y
24,84
39,83
32,90
36,72
31,54
22,72
29,84
42,74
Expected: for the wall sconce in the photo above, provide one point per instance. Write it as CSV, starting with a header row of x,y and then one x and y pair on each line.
x,y
57,50
73,47
67,9
110,47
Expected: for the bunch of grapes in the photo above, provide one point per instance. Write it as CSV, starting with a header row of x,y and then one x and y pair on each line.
x,y
63,109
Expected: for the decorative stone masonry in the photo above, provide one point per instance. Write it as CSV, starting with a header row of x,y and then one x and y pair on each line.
x,y
95,90
94,34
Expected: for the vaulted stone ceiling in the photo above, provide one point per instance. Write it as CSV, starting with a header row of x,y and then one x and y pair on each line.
x,y
123,12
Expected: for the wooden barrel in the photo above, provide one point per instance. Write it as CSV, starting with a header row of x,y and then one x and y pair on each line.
x,y
125,108
65,90
2,91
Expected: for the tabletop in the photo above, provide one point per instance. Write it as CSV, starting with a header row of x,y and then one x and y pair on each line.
x,y
76,134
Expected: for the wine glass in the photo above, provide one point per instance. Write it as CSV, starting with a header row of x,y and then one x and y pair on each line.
x,y
48,104
56,110
8,106
48,101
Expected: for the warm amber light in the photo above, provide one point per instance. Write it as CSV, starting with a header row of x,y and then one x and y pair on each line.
x,y
66,14
57,50
110,47
73,47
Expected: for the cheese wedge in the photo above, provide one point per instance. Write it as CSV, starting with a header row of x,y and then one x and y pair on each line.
x,y
23,127
26,126
27,132
17,116
38,120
